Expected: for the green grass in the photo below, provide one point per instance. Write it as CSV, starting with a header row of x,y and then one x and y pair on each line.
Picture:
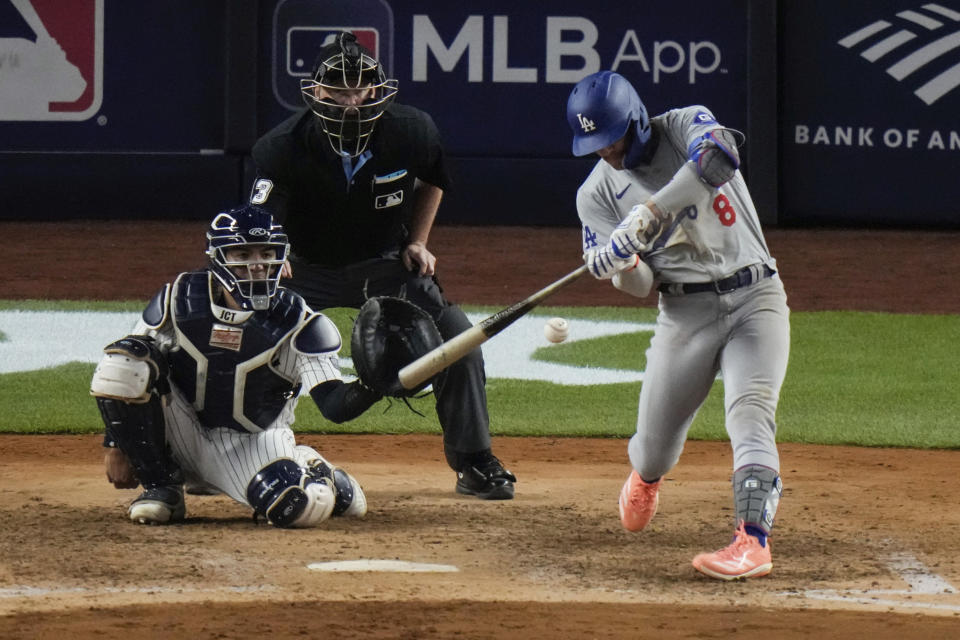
x,y
52,400
627,351
854,378
872,379
71,305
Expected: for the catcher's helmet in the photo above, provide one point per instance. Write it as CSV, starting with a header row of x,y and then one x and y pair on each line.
x,y
345,66
239,228
601,108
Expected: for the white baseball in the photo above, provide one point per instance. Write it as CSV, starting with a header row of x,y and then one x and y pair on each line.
x,y
556,330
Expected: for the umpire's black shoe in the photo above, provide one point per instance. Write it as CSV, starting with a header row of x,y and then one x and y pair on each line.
x,y
486,478
158,505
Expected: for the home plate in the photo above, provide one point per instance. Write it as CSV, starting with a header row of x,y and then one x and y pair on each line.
x,y
397,566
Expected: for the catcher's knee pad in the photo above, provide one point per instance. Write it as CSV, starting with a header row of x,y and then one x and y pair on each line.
x,y
130,370
288,497
756,494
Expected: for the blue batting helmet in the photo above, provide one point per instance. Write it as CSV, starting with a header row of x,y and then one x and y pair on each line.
x,y
237,229
600,109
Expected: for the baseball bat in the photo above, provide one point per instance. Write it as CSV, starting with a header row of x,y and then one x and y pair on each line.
x,y
435,361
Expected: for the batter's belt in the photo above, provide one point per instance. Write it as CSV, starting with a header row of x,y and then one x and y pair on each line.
x,y
742,278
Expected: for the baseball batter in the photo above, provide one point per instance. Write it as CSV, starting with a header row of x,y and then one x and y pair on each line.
x,y
667,204
205,388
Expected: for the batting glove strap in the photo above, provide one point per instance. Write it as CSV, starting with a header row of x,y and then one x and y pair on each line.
x,y
603,264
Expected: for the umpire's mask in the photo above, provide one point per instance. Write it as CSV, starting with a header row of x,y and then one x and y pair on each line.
x,y
349,92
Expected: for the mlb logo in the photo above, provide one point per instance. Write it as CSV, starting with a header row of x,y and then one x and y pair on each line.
x,y
51,59
304,42
302,27
388,200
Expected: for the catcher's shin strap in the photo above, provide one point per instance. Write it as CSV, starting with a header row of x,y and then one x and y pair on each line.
x,y
742,278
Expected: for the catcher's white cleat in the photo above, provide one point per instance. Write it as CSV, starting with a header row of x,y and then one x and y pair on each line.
x,y
158,505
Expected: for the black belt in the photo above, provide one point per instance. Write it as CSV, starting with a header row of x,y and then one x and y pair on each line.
x,y
743,278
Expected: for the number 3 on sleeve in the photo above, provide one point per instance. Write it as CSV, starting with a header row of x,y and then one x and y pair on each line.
x,y
262,188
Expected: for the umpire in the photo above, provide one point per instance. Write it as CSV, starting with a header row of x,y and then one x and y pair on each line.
x,y
356,180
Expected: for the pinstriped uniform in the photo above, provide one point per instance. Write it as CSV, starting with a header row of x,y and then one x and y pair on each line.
x,y
227,456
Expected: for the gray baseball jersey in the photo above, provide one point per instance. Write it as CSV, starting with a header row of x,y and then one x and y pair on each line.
x,y
227,457
742,334
717,234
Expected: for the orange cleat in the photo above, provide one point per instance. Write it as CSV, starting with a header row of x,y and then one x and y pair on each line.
x,y
638,502
745,557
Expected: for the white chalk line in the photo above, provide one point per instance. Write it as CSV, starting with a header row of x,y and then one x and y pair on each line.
x,y
880,602
922,583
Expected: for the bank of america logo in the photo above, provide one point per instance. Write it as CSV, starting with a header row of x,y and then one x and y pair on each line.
x,y
923,27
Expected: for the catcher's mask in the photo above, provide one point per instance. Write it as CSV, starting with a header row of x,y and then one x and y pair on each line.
x,y
253,279
389,334
348,91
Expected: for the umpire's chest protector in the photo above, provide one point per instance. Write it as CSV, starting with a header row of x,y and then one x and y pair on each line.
x,y
229,372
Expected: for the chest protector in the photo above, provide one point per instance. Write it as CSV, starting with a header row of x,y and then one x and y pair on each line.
x,y
229,372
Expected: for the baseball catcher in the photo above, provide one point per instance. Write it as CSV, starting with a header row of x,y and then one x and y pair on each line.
x,y
205,387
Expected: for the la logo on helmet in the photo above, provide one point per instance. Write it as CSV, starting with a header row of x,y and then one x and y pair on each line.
x,y
586,123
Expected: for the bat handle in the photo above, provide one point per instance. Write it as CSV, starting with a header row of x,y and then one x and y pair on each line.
x,y
435,361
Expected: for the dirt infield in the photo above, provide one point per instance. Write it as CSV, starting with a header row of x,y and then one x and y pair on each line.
x,y
822,269
864,546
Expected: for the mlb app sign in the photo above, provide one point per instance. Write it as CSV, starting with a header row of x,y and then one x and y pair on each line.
x,y
51,59
302,27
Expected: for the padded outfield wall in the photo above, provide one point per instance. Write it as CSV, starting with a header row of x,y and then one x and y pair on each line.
x,y
112,109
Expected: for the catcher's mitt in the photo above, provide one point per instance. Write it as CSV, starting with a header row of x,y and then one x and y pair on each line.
x,y
389,334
